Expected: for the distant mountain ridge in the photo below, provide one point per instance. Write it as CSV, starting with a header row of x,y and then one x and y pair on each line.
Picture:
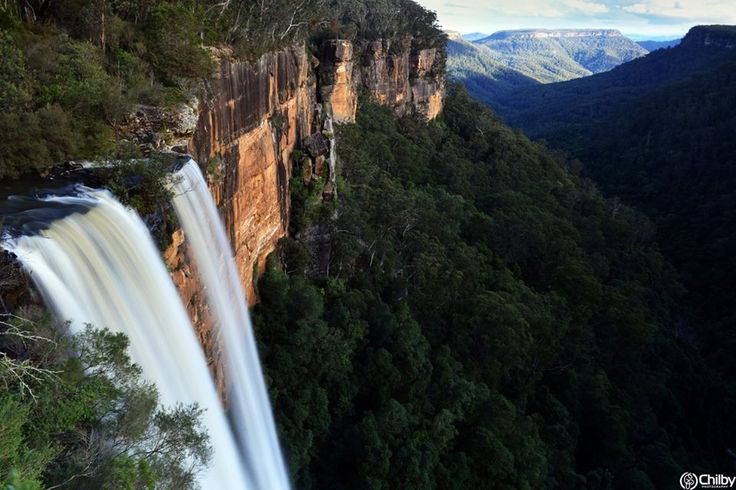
x,y
556,55
658,133
560,111
555,33
492,66
720,36
655,45
473,36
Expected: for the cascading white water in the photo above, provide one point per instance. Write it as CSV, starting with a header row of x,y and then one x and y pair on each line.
x,y
213,255
99,265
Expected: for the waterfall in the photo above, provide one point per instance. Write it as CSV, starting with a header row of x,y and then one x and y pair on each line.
x,y
94,261
213,256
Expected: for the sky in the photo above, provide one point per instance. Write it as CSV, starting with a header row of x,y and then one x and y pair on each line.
x,y
641,19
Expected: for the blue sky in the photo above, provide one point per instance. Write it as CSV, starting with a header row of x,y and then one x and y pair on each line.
x,y
639,18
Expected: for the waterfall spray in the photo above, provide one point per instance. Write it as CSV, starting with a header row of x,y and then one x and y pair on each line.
x,y
98,264
213,255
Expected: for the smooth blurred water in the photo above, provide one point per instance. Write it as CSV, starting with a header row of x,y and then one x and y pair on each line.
x,y
97,264
249,403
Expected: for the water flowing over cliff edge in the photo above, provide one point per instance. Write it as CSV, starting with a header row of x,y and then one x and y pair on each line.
x,y
259,113
98,265
249,404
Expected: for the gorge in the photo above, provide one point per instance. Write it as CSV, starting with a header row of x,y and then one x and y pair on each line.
x,y
245,130
267,245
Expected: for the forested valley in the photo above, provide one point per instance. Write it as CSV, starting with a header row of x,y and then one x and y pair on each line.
x,y
466,311
485,315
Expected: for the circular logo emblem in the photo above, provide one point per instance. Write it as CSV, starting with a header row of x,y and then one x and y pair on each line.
x,y
688,481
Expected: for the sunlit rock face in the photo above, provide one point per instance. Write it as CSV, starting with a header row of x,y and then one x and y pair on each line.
x,y
428,85
259,112
391,70
338,87
244,139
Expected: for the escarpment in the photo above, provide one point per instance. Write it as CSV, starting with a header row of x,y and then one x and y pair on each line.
x,y
394,72
254,119
258,113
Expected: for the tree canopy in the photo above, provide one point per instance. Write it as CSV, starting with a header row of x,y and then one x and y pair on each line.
x,y
87,419
483,318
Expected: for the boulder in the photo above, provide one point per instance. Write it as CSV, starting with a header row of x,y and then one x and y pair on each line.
x,y
316,144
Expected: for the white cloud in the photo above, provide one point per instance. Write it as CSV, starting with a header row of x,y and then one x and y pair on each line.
x,y
520,8
587,7
642,17
722,11
510,8
637,8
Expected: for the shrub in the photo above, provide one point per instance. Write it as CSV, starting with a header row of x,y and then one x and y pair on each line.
x,y
173,46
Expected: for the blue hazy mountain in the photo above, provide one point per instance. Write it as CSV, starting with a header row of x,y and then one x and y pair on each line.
x,y
474,36
655,45
494,65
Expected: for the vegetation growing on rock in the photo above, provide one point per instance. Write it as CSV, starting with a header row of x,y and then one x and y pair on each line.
x,y
70,72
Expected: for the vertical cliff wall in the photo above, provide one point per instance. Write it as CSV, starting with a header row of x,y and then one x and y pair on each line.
x,y
182,268
258,113
394,72
243,134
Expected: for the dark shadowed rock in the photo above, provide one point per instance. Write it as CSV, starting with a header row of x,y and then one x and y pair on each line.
x,y
316,144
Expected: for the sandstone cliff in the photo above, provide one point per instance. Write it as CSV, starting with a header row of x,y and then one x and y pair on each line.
x,y
244,133
393,72
258,113
244,138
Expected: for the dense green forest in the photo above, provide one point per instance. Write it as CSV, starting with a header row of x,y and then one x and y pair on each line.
x,y
483,319
71,71
664,143
470,313
674,156
87,420
567,113
482,72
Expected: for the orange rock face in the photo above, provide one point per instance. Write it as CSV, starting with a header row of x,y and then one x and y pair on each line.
x,y
340,92
184,275
244,140
259,112
393,74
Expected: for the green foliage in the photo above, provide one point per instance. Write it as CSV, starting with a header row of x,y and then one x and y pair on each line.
x,y
66,82
88,420
145,185
141,183
70,71
172,41
658,134
254,28
488,321
58,99
20,465
14,90
386,19
308,206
